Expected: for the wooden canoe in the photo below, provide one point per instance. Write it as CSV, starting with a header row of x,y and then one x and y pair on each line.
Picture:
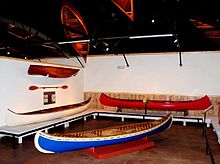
x,y
52,71
75,28
199,104
17,119
56,143
126,6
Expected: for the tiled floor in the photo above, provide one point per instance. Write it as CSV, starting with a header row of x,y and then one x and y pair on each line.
x,y
179,144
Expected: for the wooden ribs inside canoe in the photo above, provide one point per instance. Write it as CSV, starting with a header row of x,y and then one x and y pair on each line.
x,y
126,6
75,28
116,130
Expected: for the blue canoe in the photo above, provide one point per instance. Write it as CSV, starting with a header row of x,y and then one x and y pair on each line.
x,y
56,143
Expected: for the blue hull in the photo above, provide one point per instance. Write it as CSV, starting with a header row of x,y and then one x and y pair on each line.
x,y
50,144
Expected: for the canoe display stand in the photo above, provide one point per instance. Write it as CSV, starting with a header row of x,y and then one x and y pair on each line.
x,y
118,149
19,132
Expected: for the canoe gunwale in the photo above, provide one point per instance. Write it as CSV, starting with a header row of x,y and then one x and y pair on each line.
x,y
54,109
63,138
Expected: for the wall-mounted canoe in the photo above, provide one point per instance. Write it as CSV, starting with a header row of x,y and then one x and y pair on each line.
x,y
52,71
56,143
17,119
199,104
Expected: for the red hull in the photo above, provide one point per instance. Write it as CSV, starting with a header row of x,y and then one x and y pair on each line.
x,y
200,104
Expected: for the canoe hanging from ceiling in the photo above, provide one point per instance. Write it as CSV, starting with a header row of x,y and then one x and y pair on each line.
x,y
52,71
212,32
17,119
59,142
200,104
126,6
75,28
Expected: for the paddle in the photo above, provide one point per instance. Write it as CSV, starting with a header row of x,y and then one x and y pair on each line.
x,y
33,87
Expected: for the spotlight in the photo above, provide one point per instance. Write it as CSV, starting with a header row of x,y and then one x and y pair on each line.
x,y
105,46
94,45
175,41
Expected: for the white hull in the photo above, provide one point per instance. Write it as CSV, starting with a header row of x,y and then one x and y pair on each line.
x,y
13,119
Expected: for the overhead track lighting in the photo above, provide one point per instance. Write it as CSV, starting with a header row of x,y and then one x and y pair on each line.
x,y
80,40
150,36
74,41
83,40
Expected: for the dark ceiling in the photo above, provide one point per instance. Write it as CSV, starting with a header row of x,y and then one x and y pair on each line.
x,y
26,25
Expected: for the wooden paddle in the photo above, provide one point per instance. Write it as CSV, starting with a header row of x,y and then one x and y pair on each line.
x,y
33,87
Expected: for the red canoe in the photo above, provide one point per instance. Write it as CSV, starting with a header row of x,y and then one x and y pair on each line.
x,y
199,104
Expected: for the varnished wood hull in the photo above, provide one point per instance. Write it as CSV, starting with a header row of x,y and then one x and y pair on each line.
x,y
52,71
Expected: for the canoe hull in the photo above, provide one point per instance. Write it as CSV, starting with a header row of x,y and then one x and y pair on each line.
x,y
46,143
18,119
200,104
52,71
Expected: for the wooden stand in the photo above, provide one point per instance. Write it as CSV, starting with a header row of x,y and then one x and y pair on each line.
x,y
117,149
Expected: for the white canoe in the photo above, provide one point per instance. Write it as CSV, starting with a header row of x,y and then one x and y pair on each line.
x,y
17,119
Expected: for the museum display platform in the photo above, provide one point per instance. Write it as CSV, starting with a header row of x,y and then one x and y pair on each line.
x,y
118,149
179,144
19,132
216,127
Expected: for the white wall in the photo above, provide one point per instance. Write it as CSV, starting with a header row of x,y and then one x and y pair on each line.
x,y
15,93
148,73
155,73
